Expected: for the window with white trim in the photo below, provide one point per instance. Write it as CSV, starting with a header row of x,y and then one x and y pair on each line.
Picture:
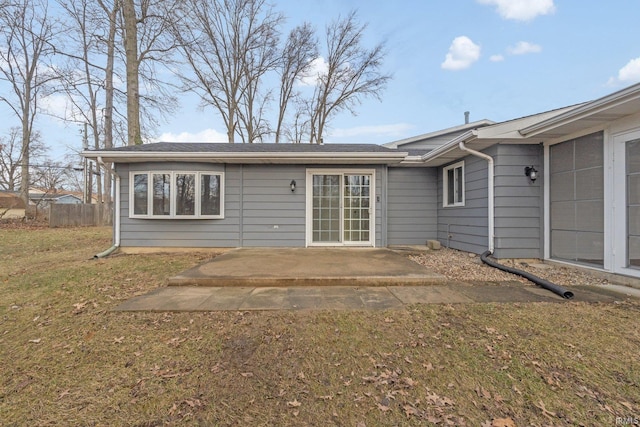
x,y
453,183
172,194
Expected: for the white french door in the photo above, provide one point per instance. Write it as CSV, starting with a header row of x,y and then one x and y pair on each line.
x,y
627,203
340,211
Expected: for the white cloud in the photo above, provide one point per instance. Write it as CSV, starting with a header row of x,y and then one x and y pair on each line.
x,y
522,48
521,10
206,135
462,53
59,106
496,58
628,74
318,68
395,130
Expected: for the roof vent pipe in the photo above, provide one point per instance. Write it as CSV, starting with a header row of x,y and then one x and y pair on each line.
x,y
466,117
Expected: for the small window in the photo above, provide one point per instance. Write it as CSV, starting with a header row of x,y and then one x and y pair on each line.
x,y
453,191
176,195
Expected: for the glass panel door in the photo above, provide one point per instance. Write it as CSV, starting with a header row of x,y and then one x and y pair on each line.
x,y
326,209
340,209
357,208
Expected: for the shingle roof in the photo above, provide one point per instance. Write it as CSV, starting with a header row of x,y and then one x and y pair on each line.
x,y
206,147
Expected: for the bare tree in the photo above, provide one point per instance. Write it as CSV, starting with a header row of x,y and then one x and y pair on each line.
x,y
353,72
51,175
81,76
24,53
300,49
148,43
229,45
134,137
111,12
11,157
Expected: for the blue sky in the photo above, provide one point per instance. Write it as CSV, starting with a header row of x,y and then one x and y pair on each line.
x,y
498,59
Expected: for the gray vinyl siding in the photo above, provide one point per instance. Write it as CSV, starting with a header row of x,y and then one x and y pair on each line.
x,y
518,202
466,227
273,215
517,205
411,206
260,208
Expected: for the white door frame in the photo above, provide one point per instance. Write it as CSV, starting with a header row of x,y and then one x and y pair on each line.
x,y
620,232
309,206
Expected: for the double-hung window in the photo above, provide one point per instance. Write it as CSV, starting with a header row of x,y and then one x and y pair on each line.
x,y
160,194
453,179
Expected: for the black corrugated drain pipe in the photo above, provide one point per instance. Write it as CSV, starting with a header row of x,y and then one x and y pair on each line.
x,y
556,289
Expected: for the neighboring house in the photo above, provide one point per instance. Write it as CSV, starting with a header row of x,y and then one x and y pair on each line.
x,y
11,205
43,199
561,185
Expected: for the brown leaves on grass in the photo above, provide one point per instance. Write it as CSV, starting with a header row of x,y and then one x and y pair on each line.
x,y
500,422
400,390
186,408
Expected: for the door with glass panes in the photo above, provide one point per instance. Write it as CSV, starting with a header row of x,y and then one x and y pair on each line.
x,y
340,208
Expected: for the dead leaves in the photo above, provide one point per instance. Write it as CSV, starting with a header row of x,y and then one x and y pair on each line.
x,y
294,404
81,306
502,422
186,408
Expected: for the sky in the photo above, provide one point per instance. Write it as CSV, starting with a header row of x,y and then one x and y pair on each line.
x,y
497,59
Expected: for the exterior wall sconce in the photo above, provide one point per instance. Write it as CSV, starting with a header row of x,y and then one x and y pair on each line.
x,y
293,185
531,172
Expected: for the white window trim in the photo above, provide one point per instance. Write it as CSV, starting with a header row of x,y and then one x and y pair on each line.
x,y
173,174
445,186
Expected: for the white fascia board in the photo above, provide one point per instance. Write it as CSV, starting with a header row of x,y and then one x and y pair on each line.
x,y
612,100
449,146
330,157
430,135
511,129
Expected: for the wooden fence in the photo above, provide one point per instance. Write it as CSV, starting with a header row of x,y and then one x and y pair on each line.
x,y
80,215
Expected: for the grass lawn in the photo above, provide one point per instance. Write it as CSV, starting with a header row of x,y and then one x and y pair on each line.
x,y
67,359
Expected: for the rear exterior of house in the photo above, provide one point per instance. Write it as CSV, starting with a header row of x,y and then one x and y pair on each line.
x,y
470,187
370,205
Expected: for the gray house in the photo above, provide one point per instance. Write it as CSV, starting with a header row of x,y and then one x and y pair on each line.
x,y
562,185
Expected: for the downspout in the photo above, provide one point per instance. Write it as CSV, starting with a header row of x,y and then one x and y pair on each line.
x,y
116,214
556,289
491,202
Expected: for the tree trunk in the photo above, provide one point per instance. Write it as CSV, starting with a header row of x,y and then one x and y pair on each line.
x,y
133,91
108,110
24,161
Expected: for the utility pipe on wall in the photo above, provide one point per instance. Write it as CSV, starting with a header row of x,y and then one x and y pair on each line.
x,y
491,202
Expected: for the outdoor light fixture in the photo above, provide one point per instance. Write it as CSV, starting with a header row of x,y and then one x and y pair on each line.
x,y
531,172
293,185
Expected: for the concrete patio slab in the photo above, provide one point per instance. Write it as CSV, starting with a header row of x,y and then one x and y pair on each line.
x,y
271,267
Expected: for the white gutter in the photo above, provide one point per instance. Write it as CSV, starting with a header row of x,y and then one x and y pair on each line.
x,y
491,201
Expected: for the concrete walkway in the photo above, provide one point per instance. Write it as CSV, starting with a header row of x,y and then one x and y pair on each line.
x,y
195,298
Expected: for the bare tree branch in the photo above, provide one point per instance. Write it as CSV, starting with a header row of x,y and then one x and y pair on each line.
x,y
353,72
